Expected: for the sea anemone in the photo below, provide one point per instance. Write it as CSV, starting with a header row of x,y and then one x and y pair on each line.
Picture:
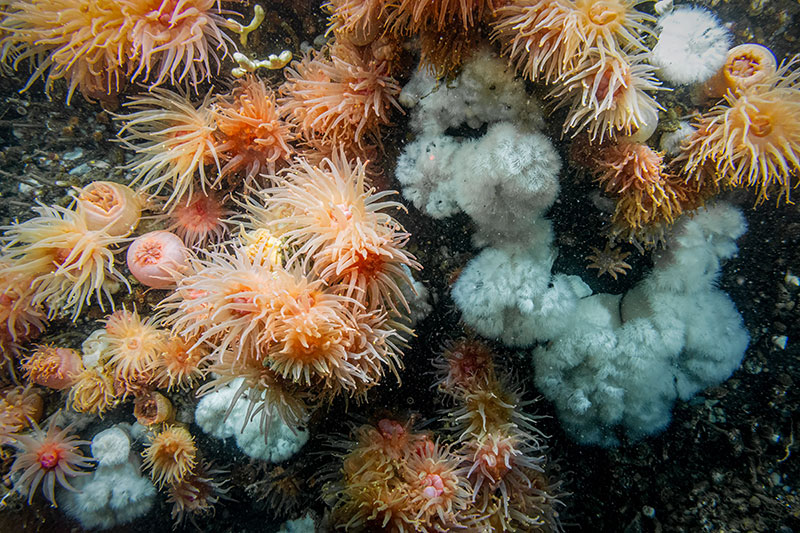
x,y
268,394
199,221
173,140
608,98
153,408
340,223
52,367
692,45
133,347
20,318
253,139
70,262
197,493
465,364
359,21
557,37
109,206
82,41
412,16
175,39
180,364
42,458
95,45
171,456
745,65
157,258
752,139
19,407
436,489
94,391
339,96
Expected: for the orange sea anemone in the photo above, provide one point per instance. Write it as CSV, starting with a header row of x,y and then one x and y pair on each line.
x,y
19,407
253,138
157,259
465,364
109,206
20,318
340,223
181,363
133,346
173,140
412,16
153,408
551,39
752,139
53,367
94,391
648,197
436,489
341,95
746,65
44,457
359,21
176,40
97,45
607,97
171,456
71,263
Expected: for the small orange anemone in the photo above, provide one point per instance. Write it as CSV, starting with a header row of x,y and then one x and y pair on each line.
x,y
134,345
94,391
339,96
53,367
171,456
253,138
752,139
109,206
746,65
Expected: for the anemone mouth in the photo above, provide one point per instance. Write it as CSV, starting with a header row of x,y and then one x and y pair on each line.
x,y
761,125
605,13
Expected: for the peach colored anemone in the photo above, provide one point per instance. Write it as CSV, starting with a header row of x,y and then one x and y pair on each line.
x,y
339,96
94,391
341,225
551,39
43,458
746,65
97,44
109,206
171,456
157,259
752,139
133,346
359,21
53,367
608,98
201,221
253,139
173,140
19,408
70,263
20,318
413,16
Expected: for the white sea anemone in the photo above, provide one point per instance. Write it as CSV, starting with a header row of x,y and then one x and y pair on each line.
x,y
692,45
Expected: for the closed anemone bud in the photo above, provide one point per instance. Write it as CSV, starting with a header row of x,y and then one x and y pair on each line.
x,y
56,368
152,408
156,258
745,66
109,206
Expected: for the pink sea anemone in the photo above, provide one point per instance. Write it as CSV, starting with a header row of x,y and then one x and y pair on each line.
x,y
156,258
109,206
42,458
53,367
200,221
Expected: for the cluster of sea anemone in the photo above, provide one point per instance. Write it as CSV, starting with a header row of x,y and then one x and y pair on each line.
x,y
172,458
194,149
491,478
593,51
99,47
307,301
752,137
66,255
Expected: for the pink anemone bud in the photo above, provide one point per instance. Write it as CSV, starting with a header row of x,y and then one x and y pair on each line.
x,y
109,206
53,367
157,258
